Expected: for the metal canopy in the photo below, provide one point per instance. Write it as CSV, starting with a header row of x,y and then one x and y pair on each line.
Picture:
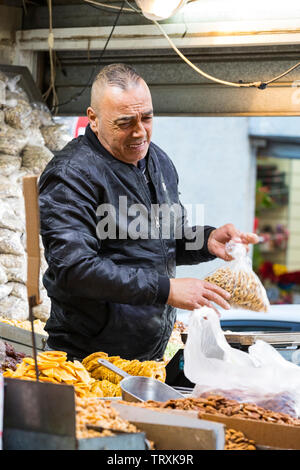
x,y
80,32
178,90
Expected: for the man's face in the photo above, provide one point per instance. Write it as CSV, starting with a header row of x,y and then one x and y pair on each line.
x,y
122,121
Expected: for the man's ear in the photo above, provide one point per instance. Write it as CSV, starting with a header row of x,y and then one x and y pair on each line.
x,y
93,119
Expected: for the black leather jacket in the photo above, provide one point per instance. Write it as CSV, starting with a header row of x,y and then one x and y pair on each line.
x,y
107,295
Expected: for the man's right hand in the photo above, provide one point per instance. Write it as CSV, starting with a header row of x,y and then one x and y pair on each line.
x,y
190,294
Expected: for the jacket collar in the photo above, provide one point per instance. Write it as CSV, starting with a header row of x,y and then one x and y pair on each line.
x,y
95,143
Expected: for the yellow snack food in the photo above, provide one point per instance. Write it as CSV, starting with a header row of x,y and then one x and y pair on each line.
x,y
93,356
135,367
54,368
26,325
96,389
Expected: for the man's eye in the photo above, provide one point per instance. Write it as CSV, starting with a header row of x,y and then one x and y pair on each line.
x,y
124,125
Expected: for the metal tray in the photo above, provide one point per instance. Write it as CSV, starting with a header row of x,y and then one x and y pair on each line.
x,y
247,339
174,429
275,339
21,339
41,416
125,441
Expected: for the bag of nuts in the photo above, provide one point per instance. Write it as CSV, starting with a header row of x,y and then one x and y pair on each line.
x,y
55,136
238,278
11,141
19,115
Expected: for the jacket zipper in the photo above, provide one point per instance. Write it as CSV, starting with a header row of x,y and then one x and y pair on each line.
x,y
145,189
156,218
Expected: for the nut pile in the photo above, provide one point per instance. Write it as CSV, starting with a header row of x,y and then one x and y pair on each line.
x,y
219,405
283,402
98,412
236,440
9,357
245,288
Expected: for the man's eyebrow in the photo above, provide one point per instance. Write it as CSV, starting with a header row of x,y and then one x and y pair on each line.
x,y
129,118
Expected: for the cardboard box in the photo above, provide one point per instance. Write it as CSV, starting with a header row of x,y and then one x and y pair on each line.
x,y
266,435
272,435
174,430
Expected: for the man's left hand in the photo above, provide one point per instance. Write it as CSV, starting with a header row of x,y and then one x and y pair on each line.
x,y
220,236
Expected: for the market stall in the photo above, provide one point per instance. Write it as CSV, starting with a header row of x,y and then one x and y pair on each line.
x,y
83,409
68,408
51,402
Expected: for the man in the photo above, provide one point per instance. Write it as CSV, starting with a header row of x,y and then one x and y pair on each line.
x,y
110,291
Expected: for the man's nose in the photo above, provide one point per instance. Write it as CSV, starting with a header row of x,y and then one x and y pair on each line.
x,y
138,130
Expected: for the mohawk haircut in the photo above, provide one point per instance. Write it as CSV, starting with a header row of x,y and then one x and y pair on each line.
x,y
119,75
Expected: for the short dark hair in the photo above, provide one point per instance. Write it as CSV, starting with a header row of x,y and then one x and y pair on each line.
x,y
120,75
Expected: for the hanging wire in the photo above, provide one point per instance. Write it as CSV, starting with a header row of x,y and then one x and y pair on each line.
x,y
80,93
257,84
52,61
112,7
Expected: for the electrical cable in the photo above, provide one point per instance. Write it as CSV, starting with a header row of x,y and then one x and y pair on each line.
x,y
258,84
77,95
105,5
131,9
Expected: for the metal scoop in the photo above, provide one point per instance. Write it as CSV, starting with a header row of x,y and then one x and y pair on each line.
x,y
137,388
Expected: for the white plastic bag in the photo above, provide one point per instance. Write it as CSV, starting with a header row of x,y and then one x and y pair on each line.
x,y
14,308
10,242
36,157
41,115
42,311
5,290
3,276
55,136
8,217
19,115
35,136
9,164
255,376
238,278
12,141
14,91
